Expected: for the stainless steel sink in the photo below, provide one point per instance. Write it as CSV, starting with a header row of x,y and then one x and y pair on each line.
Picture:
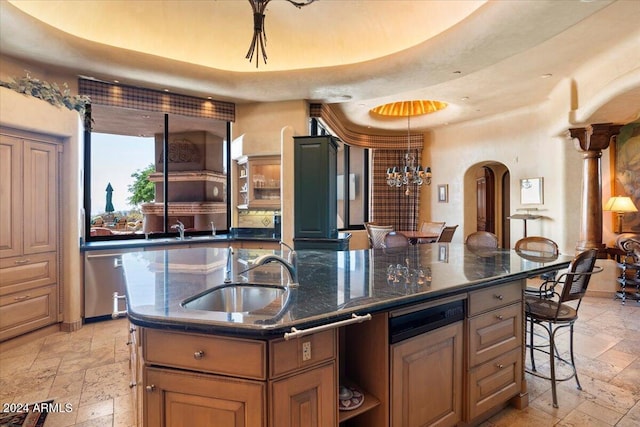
x,y
240,298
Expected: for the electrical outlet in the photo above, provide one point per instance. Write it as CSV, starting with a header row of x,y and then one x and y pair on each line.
x,y
306,351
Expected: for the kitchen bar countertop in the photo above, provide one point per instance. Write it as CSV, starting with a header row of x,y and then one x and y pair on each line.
x,y
333,285
113,244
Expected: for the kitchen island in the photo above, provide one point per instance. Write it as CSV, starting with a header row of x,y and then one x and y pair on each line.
x,y
428,334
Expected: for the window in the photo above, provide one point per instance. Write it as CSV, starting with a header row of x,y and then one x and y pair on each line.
x,y
352,182
130,194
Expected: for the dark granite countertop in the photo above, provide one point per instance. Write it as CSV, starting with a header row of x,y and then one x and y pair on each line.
x,y
164,241
333,285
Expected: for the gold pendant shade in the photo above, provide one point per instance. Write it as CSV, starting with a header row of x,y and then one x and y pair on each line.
x,y
409,108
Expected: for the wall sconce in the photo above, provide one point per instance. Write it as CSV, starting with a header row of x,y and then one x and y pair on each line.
x,y
620,205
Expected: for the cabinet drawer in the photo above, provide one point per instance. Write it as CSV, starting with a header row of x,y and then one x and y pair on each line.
x,y
25,272
494,297
206,353
23,312
494,382
287,356
494,333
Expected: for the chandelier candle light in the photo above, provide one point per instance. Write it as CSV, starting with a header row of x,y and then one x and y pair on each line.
x,y
410,174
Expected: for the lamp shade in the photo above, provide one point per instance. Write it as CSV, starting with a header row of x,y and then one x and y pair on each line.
x,y
620,204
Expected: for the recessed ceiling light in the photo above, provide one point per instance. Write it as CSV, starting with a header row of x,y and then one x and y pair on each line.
x,y
116,81
166,90
546,76
464,98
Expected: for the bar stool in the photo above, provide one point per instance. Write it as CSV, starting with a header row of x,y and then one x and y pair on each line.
x,y
554,314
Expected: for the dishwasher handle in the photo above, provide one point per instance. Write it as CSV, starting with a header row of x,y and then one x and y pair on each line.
x,y
117,313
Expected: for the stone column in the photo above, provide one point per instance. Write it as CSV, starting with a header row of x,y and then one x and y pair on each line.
x,y
591,140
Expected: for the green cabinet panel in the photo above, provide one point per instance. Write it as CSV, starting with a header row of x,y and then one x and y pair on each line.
x,y
315,163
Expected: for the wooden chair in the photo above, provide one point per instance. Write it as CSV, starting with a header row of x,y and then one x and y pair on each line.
x,y
447,234
482,239
395,240
539,249
376,234
431,227
554,314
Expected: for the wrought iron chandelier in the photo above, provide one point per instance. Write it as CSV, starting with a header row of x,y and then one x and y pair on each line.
x,y
410,173
259,35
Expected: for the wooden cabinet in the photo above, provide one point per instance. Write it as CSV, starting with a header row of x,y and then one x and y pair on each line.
x,y
258,182
426,378
495,357
307,399
25,311
301,393
315,172
136,369
227,382
28,231
183,398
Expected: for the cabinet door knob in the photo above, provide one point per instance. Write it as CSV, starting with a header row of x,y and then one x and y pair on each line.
x,y
198,355
150,388
500,297
499,366
499,316
132,385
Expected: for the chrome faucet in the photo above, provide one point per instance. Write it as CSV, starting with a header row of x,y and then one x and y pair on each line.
x,y
180,227
227,269
291,265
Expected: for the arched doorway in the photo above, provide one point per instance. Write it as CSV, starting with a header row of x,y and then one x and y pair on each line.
x,y
487,200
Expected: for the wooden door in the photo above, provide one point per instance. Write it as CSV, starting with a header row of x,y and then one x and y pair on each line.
x,y
486,201
40,197
10,196
307,399
426,379
184,399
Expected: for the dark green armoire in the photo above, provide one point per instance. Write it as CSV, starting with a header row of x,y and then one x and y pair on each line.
x,y
315,162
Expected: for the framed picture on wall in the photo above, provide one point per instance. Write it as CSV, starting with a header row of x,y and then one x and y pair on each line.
x,y
443,193
532,191
625,171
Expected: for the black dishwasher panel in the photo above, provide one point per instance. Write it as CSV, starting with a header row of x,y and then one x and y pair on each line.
x,y
418,322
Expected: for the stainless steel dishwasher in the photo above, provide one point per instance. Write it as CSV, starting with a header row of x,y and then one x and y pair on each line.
x,y
103,275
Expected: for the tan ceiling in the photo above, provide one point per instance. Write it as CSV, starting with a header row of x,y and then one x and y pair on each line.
x,y
481,57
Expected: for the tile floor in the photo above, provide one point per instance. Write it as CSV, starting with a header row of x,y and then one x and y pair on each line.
x,y
88,369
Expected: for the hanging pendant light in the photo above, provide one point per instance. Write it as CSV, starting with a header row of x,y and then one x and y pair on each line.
x,y
411,173
259,40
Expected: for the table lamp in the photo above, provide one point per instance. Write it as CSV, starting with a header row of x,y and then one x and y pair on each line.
x,y
620,205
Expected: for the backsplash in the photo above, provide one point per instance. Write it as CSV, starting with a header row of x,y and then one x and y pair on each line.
x,y
257,219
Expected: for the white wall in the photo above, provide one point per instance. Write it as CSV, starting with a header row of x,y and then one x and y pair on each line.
x,y
533,142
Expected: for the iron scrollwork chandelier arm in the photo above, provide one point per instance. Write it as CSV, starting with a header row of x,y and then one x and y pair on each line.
x,y
259,34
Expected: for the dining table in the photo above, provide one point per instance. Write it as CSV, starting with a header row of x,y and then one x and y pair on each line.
x,y
414,236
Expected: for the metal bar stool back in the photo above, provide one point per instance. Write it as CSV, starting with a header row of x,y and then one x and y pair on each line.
x,y
554,314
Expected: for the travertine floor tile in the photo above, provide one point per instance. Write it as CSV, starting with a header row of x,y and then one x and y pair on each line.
x,y
89,369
